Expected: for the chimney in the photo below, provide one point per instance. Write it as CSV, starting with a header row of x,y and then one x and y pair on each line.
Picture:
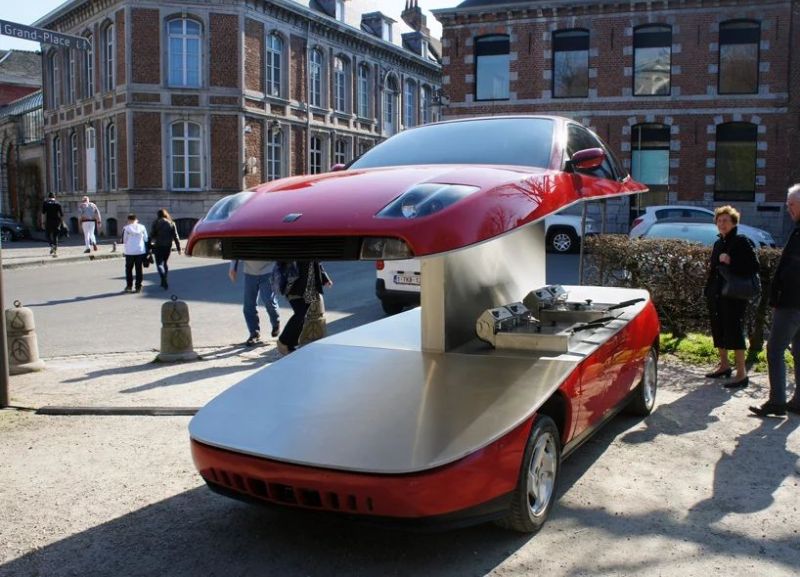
x,y
413,16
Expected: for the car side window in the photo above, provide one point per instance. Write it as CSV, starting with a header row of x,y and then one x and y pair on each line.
x,y
578,138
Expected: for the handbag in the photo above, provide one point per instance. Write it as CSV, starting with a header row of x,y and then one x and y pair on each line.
x,y
63,231
739,287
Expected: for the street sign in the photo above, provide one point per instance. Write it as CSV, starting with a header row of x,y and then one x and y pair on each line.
x,y
43,36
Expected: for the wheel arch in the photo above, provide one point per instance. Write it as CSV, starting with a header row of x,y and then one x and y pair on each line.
x,y
557,408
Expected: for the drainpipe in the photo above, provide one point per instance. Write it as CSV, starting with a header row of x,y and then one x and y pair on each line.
x,y
308,96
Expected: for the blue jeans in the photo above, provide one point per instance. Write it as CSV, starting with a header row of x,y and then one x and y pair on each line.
x,y
256,286
785,330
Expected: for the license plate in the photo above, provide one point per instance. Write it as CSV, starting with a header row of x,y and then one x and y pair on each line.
x,y
406,279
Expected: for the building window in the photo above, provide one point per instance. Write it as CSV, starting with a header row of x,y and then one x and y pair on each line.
x,y
738,57
410,104
491,67
736,161
73,161
650,155
274,61
108,58
363,91
570,63
315,155
58,183
274,154
91,160
390,106
111,157
340,10
33,126
316,78
88,68
652,55
425,104
55,80
340,151
184,52
72,76
186,156
340,84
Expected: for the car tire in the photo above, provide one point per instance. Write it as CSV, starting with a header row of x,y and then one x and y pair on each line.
x,y
6,235
644,395
562,240
535,492
391,307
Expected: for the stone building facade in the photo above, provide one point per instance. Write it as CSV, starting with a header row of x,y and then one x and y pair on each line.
x,y
181,102
699,98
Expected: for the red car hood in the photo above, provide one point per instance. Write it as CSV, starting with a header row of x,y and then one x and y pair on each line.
x,y
344,204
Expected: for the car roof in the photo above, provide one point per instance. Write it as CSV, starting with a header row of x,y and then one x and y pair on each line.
x,y
678,206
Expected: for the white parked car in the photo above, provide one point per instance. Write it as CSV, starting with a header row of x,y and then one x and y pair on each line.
x,y
678,213
397,285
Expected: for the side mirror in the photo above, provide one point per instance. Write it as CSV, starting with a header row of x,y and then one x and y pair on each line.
x,y
587,159
338,167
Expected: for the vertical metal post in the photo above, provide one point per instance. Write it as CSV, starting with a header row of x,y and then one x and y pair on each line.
x,y
583,241
4,395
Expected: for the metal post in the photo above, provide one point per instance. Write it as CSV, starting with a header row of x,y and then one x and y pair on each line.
x,y
4,395
583,241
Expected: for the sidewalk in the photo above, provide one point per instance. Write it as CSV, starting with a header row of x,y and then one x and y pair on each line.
x,y
36,251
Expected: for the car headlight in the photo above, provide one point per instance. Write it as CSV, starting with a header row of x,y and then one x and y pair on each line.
x,y
380,248
226,206
208,247
425,199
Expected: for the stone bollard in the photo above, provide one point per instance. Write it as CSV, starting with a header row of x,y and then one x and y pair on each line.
x,y
23,350
176,334
314,327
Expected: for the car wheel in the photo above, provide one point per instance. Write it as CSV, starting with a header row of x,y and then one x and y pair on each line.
x,y
6,235
538,478
391,308
644,396
562,240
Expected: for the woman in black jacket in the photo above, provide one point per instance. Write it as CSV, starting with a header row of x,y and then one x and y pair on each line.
x,y
301,292
727,314
163,234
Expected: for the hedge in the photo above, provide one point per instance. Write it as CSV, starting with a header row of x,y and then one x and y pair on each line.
x,y
674,271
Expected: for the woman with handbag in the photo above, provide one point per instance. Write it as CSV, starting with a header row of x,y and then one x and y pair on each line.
x,y
733,257
163,234
302,292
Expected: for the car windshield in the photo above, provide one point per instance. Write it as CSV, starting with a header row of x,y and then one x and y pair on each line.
x,y
512,141
706,234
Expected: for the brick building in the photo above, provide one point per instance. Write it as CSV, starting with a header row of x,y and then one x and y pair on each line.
x,y
180,102
700,98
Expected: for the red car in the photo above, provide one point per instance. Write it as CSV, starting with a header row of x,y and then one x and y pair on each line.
x,y
459,411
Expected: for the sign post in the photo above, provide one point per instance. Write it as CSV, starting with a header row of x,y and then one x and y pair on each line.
x,y
43,36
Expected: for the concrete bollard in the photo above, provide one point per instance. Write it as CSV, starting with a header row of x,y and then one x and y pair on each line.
x,y
23,350
314,327
176,334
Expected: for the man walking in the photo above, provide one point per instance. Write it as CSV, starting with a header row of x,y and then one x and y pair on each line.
x,y
53,216
257,283
785,299
89,217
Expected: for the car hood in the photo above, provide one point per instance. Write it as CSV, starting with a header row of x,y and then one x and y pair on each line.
x,y
345,204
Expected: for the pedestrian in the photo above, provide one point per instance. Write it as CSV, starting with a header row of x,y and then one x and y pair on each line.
x,y
311,278
736,252
53,219
89,217
134,239
163,233
784,298
257,286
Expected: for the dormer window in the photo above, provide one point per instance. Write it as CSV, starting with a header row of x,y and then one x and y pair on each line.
x,y
340,10
386,31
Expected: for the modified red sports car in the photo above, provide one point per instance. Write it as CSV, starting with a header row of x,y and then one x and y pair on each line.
x,y
459,411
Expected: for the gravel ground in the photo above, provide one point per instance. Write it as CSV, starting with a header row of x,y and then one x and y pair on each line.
x,y
698,488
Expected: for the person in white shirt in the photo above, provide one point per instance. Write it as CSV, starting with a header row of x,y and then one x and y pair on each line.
x,y
134,239
89,216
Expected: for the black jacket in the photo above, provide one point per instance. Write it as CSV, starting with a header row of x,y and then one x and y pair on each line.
x,y
51,209
744,261
784,292
163,233
319,277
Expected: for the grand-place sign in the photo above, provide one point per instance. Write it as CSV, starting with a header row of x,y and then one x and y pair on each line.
x,y
42,35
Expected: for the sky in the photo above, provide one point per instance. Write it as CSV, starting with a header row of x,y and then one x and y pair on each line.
x,y
27,12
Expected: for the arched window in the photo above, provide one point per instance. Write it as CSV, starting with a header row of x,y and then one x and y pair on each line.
x,y
340,151
58,183
736,161
739,42
274,64
274,154
111,157
410,104
109,44
652,55
185,149
570,63
426,104
363,91
315,155
88,68
55,80
650,155
492,58
185,36
72,76
340,82
90,146
390,106
316,78
74,162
